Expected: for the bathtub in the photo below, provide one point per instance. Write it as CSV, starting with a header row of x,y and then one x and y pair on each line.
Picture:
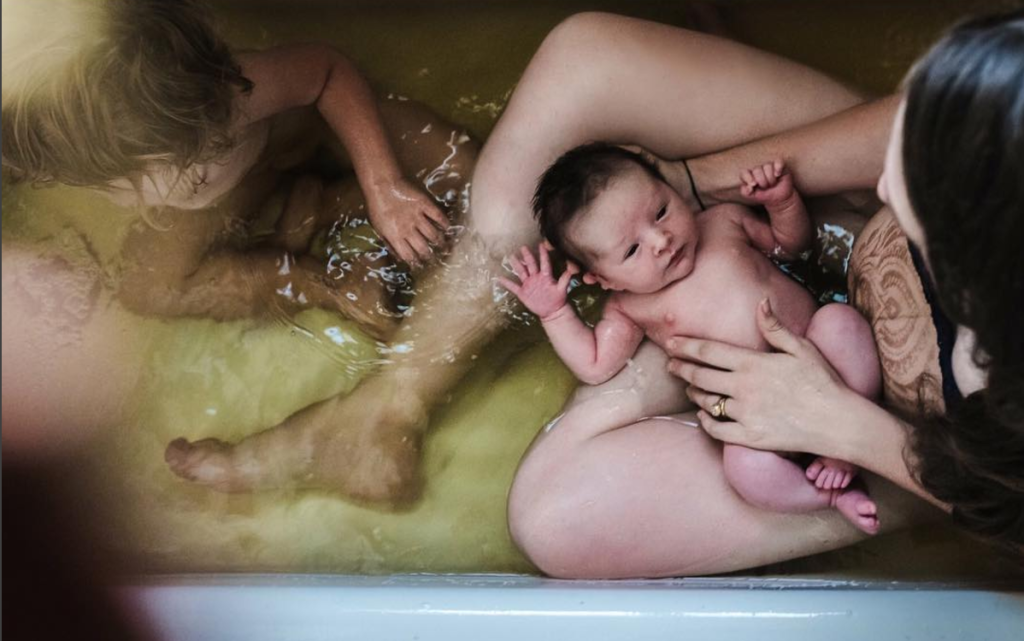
x,y
500,607
907,586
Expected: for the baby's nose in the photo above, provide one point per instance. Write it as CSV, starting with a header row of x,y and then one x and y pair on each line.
x,y
661,242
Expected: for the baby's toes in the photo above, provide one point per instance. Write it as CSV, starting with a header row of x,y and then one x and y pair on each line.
x,y
814,469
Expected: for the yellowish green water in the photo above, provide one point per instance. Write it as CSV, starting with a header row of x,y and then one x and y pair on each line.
x,y
199,378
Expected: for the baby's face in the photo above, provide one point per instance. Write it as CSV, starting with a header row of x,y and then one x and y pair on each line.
x,y
638,234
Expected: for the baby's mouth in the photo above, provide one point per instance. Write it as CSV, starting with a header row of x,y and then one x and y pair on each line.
x,y
676,256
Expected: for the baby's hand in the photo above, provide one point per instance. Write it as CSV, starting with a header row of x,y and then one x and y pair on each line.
x,y
768,183
408,220
538,289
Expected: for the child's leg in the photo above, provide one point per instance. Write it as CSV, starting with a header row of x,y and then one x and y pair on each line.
x,y
772,482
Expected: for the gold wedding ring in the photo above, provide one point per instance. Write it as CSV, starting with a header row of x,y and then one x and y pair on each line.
x,y
718,409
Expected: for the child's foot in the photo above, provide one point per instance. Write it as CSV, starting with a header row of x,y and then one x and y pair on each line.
x,y
367,447
767,183
858,508
831,474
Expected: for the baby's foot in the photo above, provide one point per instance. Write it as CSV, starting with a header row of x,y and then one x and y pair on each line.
x,y
767,183
858,508
831,474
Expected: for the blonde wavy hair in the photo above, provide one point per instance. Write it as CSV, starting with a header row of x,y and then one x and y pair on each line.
x,y
116,89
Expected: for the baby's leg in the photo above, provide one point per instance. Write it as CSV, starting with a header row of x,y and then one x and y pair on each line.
x,y
772,482
844,338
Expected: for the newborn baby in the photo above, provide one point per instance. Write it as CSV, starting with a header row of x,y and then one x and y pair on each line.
x,y
676,273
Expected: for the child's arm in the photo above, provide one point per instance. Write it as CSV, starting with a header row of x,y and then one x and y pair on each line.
x,y
789,232
593,355
299,75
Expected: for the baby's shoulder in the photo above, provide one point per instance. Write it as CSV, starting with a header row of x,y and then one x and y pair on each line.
x,y
724,214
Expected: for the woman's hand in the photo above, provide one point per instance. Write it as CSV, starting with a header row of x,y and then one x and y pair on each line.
x,y
408,220
784,401
538,289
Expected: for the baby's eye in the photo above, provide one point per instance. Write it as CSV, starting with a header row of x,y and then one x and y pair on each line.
x,y
632,250
662,213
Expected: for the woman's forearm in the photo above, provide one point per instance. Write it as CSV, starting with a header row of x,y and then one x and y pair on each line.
x,y
875,440
842,152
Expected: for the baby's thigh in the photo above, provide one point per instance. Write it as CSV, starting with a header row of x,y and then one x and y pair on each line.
x,y
845,339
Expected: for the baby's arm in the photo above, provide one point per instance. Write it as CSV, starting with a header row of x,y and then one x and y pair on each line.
x,y
593,355
299,75
789,233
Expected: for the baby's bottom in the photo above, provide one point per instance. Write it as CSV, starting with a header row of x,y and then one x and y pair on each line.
x,y
772,481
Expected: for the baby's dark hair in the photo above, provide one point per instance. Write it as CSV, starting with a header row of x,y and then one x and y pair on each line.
x,y
574,181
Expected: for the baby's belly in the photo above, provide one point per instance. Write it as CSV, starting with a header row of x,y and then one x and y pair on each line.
x,y
726,309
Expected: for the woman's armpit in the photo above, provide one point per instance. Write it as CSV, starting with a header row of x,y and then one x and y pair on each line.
x,y
886,288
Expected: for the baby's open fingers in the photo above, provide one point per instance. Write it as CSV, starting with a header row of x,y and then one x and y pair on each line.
x,y
510,285
517,267
564,280
529,261
545,259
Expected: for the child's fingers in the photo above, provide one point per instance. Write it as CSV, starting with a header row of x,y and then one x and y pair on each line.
x,y
547,244
429,231
778,167
510,286
420,246
529,261
746,190
406,252
435,214
545,260
769,173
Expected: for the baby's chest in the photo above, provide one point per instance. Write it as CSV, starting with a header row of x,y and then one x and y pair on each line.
x,y
716,301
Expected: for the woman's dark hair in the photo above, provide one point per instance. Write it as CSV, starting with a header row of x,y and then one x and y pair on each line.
x,y
130,84
963,158
573,181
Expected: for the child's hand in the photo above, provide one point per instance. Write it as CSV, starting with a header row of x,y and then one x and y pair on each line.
x,y
409,221
538,289
769,183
